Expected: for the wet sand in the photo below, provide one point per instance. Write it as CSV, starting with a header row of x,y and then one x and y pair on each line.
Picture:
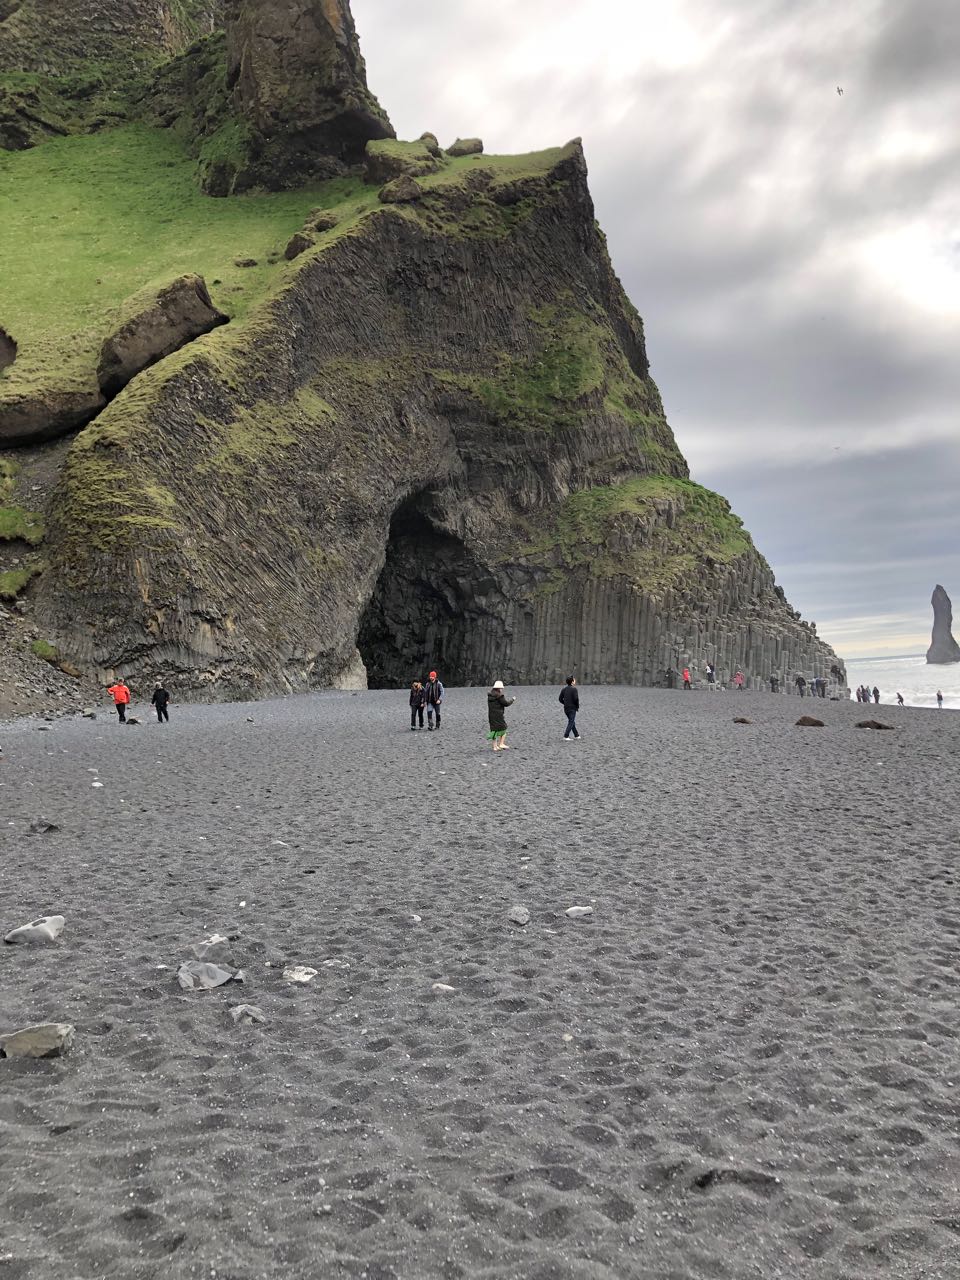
x,y
746,1063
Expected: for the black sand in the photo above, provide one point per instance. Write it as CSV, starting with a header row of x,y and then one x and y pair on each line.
x,y
745,1064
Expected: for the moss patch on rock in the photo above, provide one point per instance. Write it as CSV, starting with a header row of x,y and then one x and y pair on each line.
x,y
658,531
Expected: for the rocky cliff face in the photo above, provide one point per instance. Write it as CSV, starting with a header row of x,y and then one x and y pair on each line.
x,y
300,89
435,442
943,647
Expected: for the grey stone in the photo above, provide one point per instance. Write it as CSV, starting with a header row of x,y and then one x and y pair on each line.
x,y
519,915
299,974
41,827
442,989
196,975
943,647
466,147
45,1040
39,932
247,1014
578,913
404,190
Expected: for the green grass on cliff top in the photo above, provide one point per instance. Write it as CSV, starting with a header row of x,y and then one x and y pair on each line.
x,y
87,221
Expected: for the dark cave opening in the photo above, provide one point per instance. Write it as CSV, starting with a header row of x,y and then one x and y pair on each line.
x,y
433,608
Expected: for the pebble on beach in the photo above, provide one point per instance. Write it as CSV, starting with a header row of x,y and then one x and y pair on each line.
x,y
45,1040
38,932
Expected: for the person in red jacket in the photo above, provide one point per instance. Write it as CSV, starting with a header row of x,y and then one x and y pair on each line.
x,y
686,678
121,698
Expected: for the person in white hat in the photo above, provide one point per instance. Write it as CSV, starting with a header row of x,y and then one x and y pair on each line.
x,y
497,703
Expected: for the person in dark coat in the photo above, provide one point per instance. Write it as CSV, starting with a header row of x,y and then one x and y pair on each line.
x,y
876,695
570,698
497,703
418,700
433,695
159,700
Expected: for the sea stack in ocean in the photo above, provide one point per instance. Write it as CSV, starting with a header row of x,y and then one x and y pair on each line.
x,y
943,647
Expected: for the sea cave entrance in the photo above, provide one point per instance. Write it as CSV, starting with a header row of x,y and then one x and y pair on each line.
x,y
434,606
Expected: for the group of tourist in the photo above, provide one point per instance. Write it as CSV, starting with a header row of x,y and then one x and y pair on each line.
x,y
120,693
429,697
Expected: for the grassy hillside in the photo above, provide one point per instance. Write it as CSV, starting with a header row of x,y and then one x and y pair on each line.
x,y
86,221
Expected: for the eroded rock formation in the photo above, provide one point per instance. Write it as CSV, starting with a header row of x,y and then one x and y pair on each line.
x,y
157,323
8,350
440,441
300,87
943,647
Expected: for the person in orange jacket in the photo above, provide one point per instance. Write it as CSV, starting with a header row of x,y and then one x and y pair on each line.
x,y
686,678
121,698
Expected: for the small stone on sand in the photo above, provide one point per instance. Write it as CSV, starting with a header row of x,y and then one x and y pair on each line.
x,y
38,932
519,915
46,1040
301,973
577,913
194,975
442,989
248,1014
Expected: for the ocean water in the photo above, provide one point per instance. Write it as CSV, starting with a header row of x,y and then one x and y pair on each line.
x,y
908,675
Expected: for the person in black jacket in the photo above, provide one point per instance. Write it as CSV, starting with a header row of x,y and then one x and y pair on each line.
x,y
571,705
418,700
160,699
497,703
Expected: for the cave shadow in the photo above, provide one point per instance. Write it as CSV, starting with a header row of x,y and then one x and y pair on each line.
x,y
434,606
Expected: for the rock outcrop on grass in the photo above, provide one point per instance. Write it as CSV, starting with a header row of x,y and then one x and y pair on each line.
x,y
157,324
8,350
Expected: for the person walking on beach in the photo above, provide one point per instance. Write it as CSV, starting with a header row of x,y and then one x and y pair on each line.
x,y
876,695
159,700
418,699
939,700
497,703
711,677
801,686
899,699
686,678
433,693
774,684
571,705
738,680
121,699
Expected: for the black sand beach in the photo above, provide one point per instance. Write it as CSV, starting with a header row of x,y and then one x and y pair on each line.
x,y
745,1063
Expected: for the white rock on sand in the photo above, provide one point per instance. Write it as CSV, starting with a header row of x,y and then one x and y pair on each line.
x,y
578,913
38,932
45,1040
301,973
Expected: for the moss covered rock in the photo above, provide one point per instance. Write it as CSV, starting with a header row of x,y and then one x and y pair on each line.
x,y
400,191
465,147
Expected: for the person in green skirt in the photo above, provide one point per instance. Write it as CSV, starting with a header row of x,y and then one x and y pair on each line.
x,y
497,703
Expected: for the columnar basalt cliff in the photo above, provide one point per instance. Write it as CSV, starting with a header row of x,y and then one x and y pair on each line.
x,y
943,647
434,439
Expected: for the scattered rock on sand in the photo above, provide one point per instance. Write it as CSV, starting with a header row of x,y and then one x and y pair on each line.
x,y
301,973
741,720
809,722
578,913
41,827
442,989
38,932
196,975
519,915
215,950
45,1040
247,1014
872,724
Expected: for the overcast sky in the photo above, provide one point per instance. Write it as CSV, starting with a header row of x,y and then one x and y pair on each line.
x,y
795,253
